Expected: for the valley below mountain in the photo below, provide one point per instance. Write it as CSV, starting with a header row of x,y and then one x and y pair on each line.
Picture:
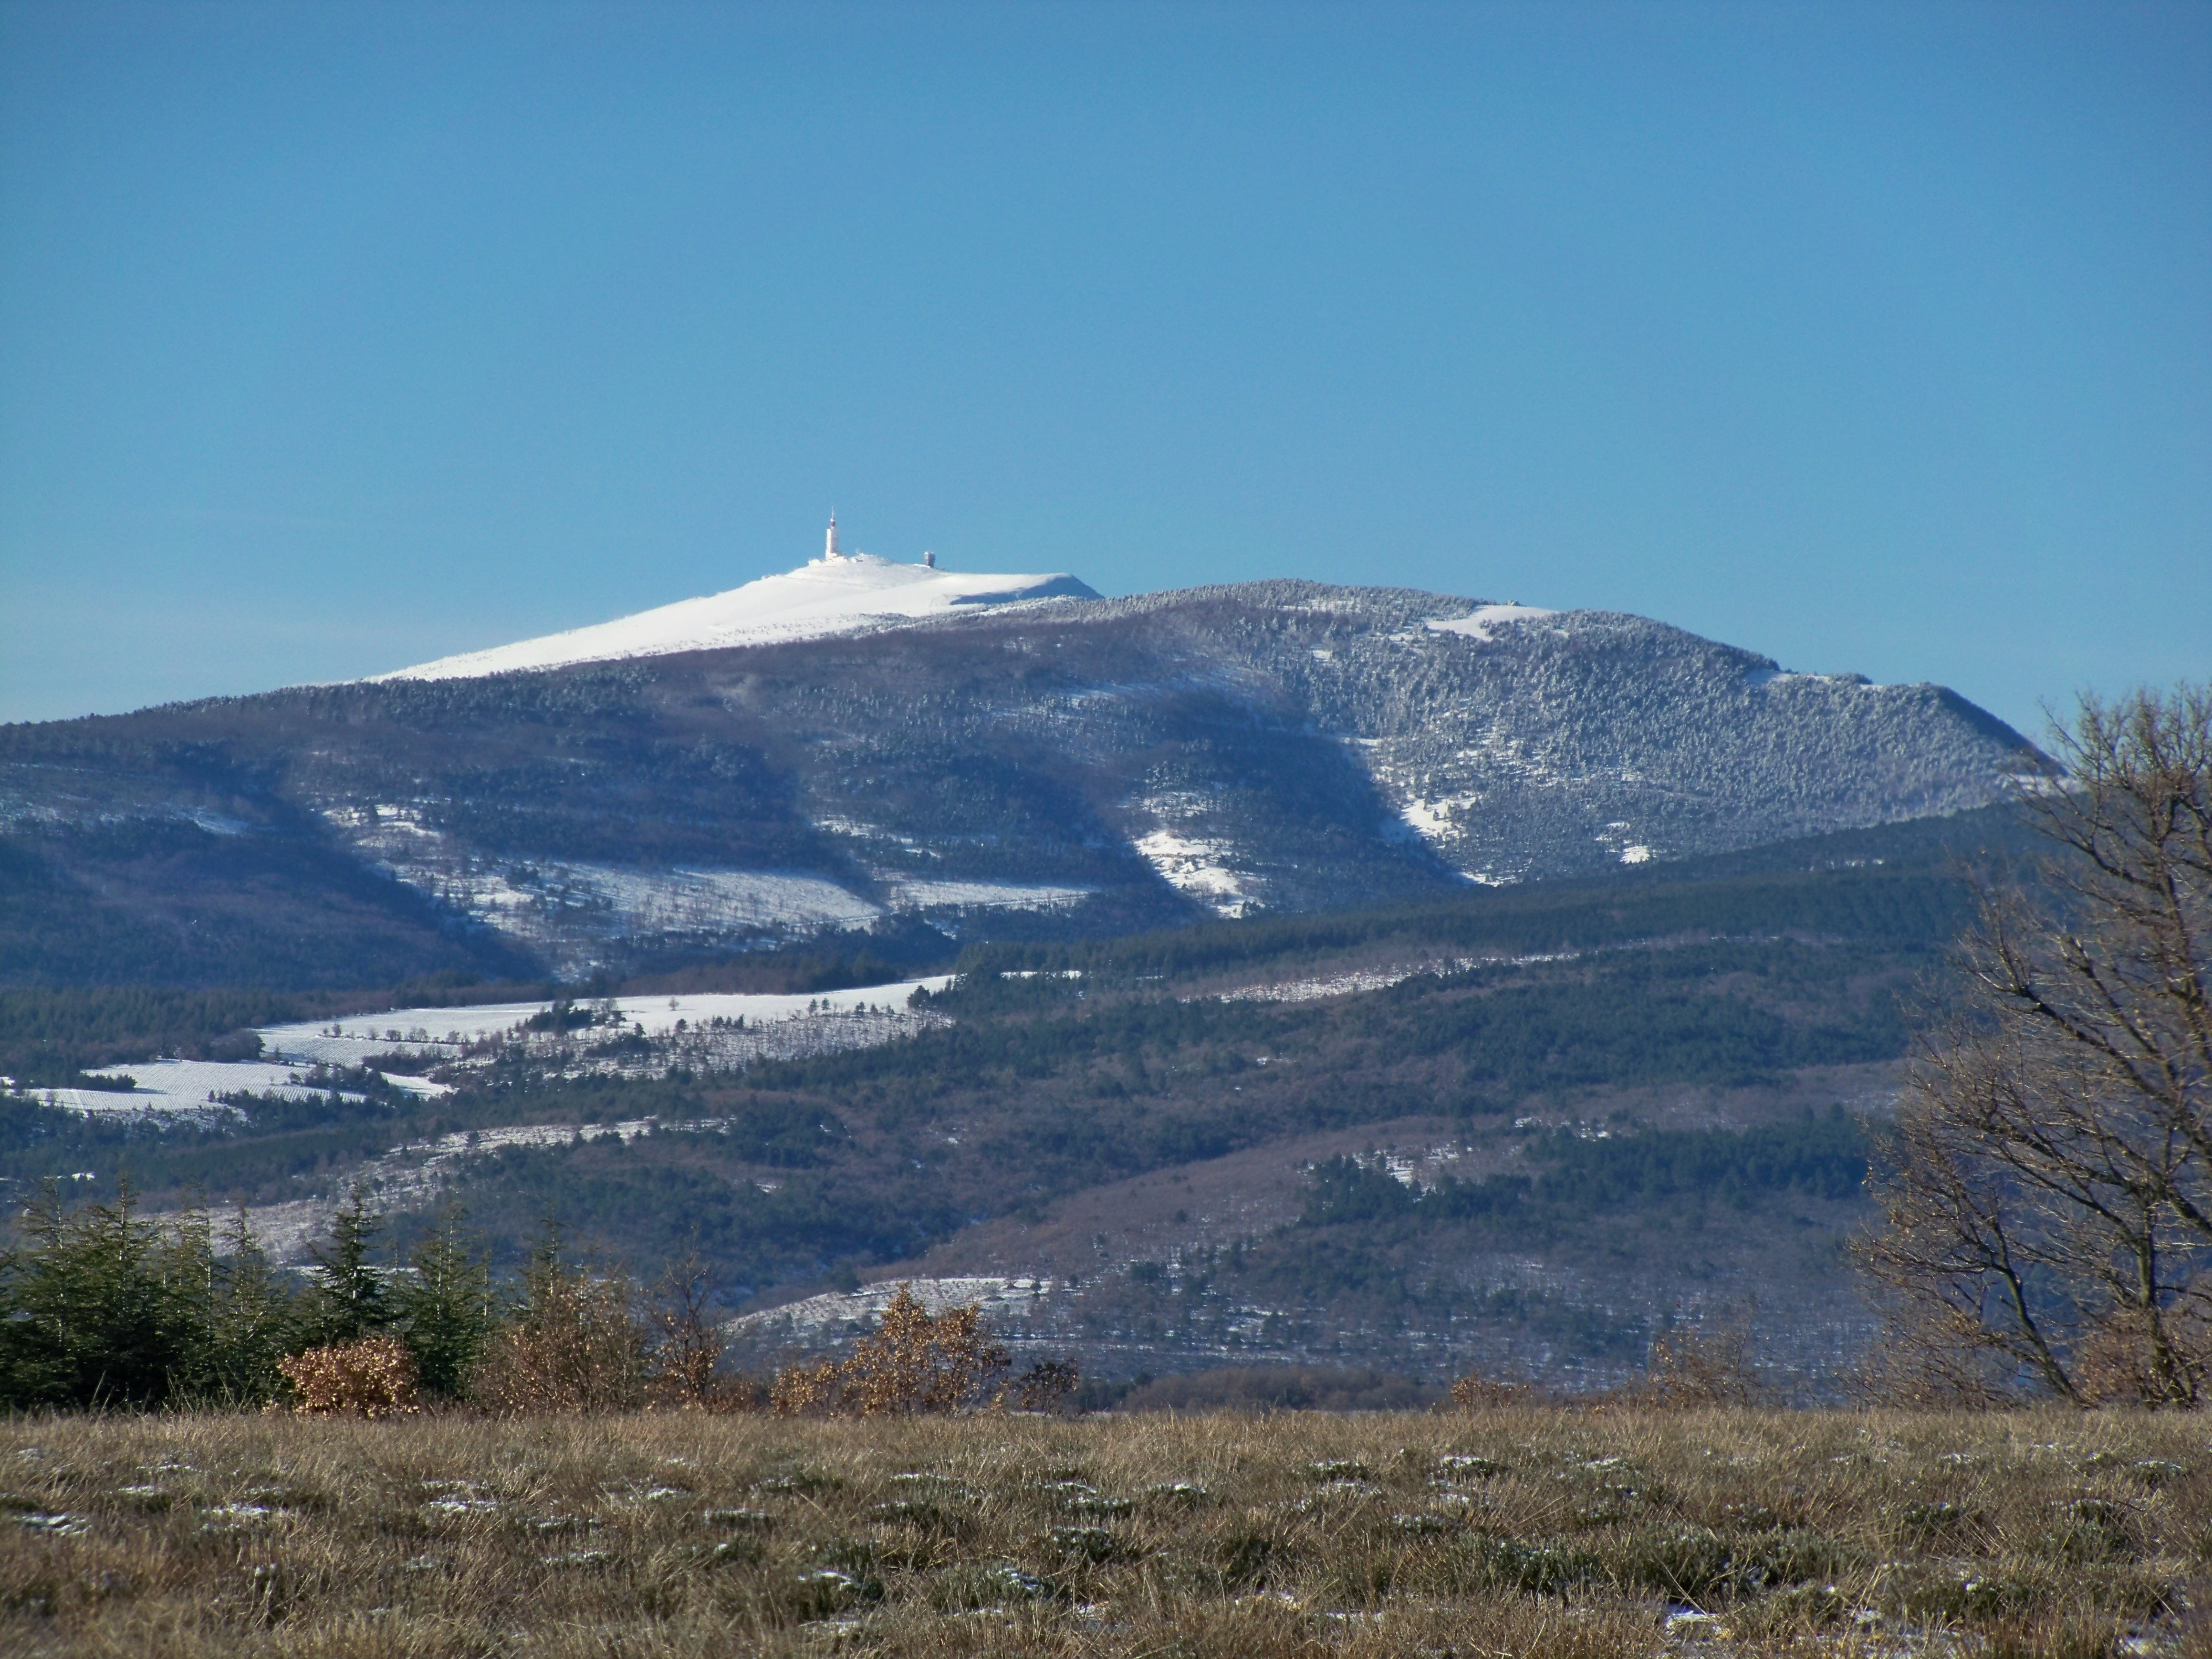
x,y
1523,1129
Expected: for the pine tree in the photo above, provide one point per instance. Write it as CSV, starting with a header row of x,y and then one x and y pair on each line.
x,y
350,1295
184,1293
446,1309
98,1311
254,1320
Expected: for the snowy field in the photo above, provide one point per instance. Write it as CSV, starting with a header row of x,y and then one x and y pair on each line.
x,y
1188,859
705,1032
447,1033
1376,979
1339,985
717,901
1438,820
187,1088
563,908
544,900
1477,624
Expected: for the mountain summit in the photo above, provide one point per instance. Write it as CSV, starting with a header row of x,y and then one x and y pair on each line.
x,y
838,593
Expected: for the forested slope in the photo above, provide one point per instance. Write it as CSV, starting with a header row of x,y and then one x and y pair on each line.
x,y
1534,1124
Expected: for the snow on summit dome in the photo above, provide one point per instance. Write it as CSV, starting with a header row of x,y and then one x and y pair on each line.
x,y
839,593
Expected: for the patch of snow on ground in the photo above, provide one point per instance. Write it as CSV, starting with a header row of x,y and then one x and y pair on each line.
x,y
422,1088
447,1033
1339,985
701,901
554,904
396,820
1189,859
1477,624
928,894
413,1175
1766,676
1635,854
844,594
1375,979
1436,820
723,1032
1193,865
181,1088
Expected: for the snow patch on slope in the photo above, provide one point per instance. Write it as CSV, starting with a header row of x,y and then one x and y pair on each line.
x,y
1477,624
1339,985
1438,820
558,904
1193,866
1771,677
850,593
929,893
1005,1297
714,901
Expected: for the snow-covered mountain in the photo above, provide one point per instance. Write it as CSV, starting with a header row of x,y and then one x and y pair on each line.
x,y
863,744
837,594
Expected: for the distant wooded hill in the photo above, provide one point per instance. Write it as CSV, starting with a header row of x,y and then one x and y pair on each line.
x,y
1524,1128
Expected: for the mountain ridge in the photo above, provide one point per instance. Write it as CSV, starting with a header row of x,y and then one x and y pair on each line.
x,y
1053,766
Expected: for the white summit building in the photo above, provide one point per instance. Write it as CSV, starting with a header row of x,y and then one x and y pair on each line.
x,y
839,593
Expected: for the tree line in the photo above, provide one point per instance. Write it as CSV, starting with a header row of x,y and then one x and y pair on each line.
x,y
1576,1179
101,1307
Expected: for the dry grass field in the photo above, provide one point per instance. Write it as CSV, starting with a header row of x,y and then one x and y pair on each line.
x,y
1542,1532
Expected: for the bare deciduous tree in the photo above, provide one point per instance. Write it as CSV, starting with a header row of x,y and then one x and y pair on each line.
x,y
690,1346
1692,1367
2047,1193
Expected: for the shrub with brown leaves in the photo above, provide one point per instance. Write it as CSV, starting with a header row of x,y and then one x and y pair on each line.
x,y
573,1346
682,1371
803,1390
1476,1392
372,1377
920,1362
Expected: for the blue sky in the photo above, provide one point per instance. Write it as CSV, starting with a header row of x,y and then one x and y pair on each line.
x,y
335,337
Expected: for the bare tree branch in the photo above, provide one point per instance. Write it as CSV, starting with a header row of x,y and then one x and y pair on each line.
x,y
2047,1193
